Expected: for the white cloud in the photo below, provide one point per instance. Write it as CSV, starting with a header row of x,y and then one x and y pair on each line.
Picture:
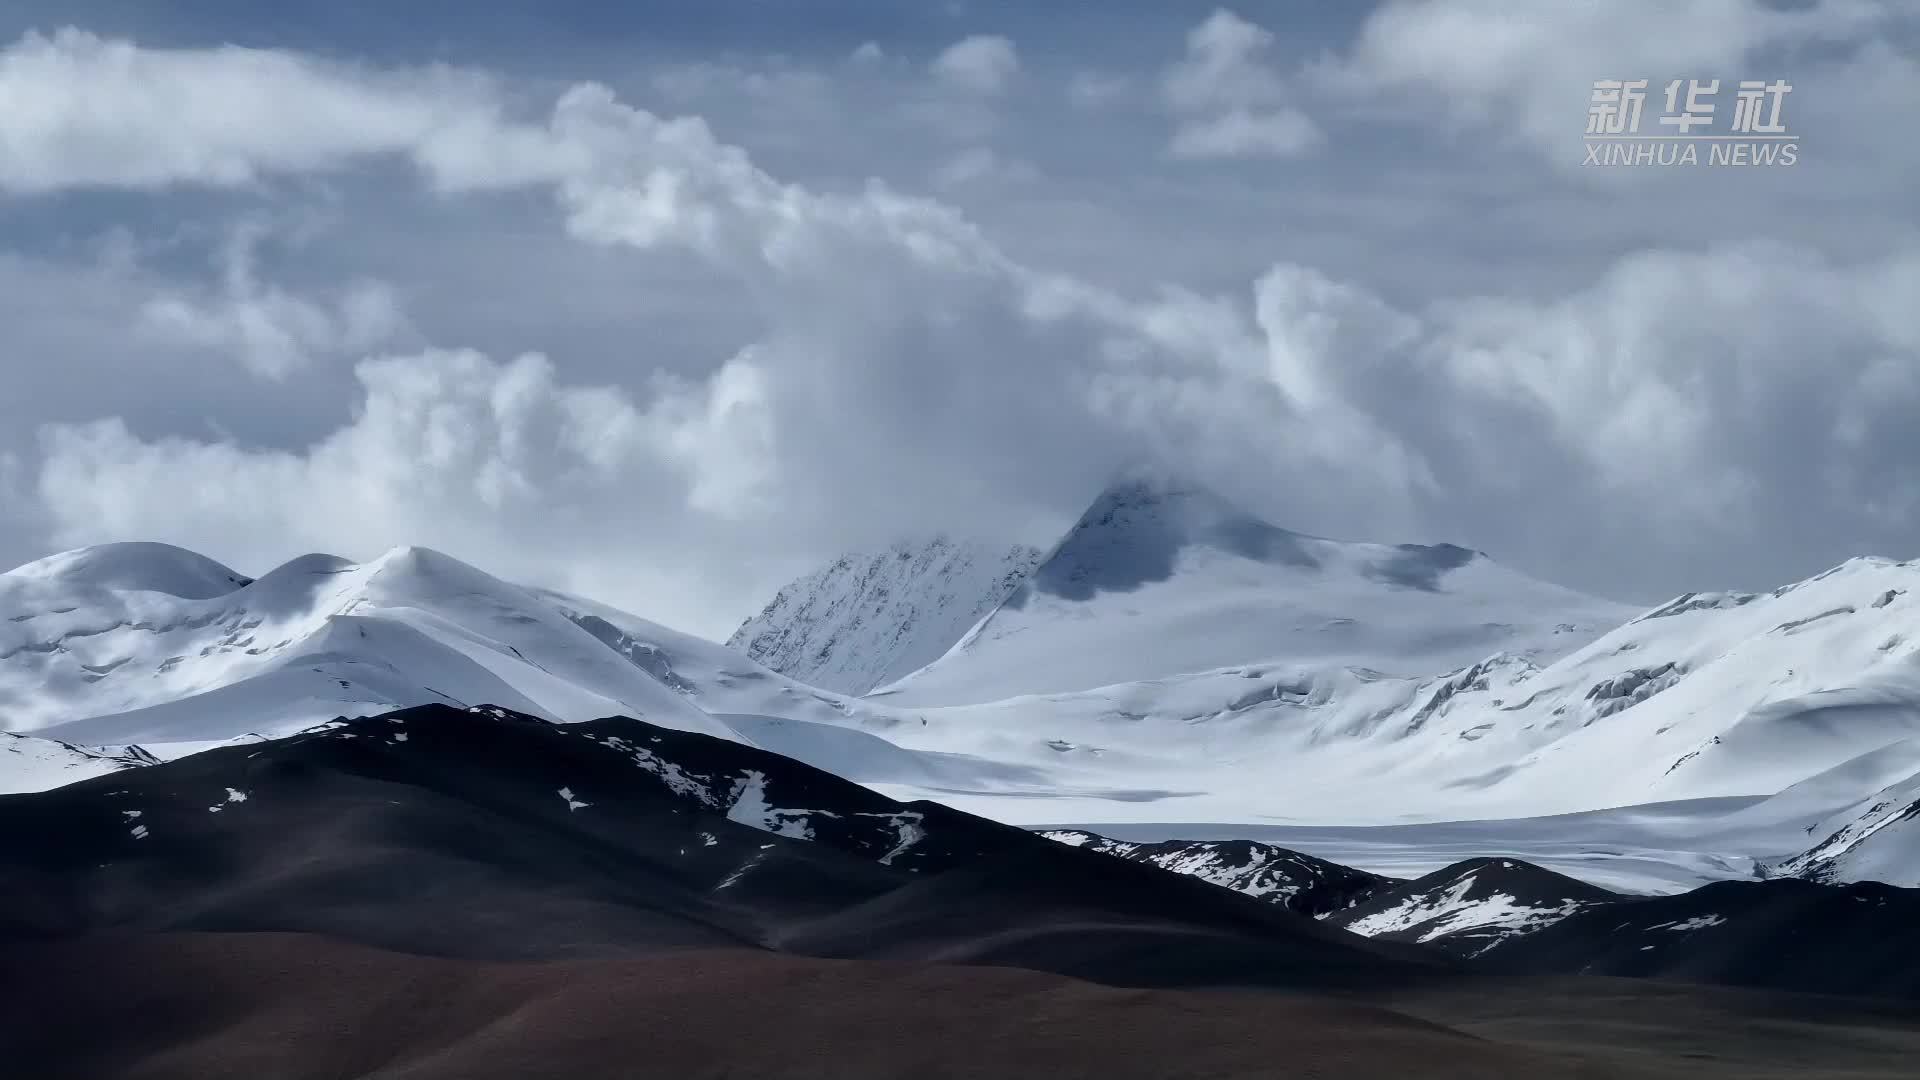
x,y
1240,133
1525,71
981,64
906,372
1225,66
83,110
911,375
1680,407
978,165
1229,100
271,331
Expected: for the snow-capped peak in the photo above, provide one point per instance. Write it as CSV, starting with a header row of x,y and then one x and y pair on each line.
x,y
1158,579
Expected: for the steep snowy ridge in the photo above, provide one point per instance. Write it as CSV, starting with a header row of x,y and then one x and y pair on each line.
x,y
872,618
1875,839
1156,581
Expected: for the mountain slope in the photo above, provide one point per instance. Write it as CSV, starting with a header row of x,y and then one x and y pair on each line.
x,y
658,877
1297,882
1708,696
872,618
30,764
1874,839
317,637
125,567
488,834
1471,907
1850,939
1156,581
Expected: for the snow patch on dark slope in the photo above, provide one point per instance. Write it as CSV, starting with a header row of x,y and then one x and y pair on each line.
x,y
1473,906
1291,879
1160,579
871,618
489,834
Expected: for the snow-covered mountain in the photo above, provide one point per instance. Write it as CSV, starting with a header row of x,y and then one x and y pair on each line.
x,y
874,617
1798,709
136,658
1157,580
1710,695
176,654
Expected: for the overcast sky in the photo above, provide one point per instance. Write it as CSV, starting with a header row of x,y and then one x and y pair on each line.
x,y
668,302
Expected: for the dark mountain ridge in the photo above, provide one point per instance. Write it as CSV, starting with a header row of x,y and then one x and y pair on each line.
x,y
486,834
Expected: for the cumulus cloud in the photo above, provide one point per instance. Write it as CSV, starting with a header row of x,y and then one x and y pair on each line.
x,y
1229,100
911,374
271,331
981,64
907,372
1684,404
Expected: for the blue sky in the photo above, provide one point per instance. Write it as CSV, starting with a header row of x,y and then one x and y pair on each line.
x,y
669,301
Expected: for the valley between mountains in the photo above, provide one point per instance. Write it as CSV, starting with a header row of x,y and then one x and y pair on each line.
x,y
1183,750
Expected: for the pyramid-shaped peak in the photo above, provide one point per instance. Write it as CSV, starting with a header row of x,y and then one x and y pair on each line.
x,y
1135,530
1142,521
